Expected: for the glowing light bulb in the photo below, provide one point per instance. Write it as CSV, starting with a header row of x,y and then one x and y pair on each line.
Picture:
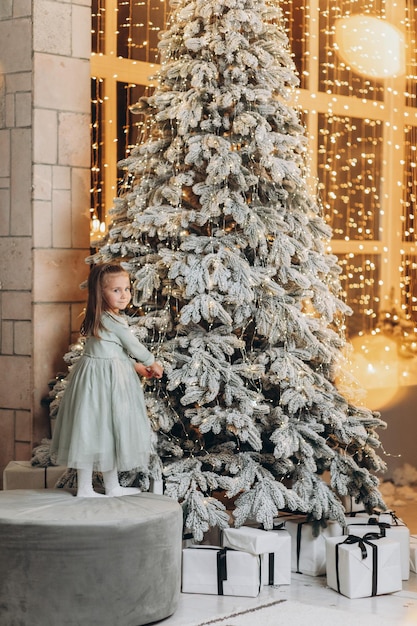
x,y
376,366
370,46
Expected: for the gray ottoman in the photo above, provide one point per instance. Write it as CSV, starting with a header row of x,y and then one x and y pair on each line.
x,y
71,561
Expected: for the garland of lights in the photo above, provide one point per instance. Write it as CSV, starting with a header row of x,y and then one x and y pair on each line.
x,y
350,148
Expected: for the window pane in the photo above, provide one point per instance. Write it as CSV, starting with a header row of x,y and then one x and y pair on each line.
x,y
410,185
336,76
297,16
349,163
411,30
131,129
97,151
360,276
98,12
409,280
139,23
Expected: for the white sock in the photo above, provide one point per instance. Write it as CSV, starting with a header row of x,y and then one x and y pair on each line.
x,y
85,484
113,487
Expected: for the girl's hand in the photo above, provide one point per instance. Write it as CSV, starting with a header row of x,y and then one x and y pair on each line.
x,y
155,370
142,370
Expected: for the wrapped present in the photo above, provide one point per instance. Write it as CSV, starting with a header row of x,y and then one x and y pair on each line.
x,y
413,553
385,517
274,546
351,506
253,540
220,571
354,514
276,566
23,475
212,537
388,517
156,486
360,567
397,532
356,518
308,551
188,540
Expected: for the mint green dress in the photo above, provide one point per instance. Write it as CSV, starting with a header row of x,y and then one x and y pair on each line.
x,y
102,421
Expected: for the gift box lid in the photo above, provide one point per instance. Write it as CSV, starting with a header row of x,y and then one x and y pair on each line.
x,y
255,540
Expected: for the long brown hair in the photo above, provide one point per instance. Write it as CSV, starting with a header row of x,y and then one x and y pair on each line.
x,y
95,303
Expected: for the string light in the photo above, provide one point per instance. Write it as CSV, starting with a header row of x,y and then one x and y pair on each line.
x,y
371,46
362,130
137,24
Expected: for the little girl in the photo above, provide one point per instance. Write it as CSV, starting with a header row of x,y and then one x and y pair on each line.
x,y
102,423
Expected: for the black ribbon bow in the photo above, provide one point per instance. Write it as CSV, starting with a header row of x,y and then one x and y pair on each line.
x,y
373,521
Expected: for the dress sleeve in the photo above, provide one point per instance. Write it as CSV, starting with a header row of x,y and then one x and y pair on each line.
x,y
128,340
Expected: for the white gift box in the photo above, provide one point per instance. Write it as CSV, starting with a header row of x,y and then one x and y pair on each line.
x,y
398,532
354,514
23,475
388,517
254,540
364,567
354,519
220,571
188,540
383,517
156,486
413,554
274,546
351,506
308,552
276,566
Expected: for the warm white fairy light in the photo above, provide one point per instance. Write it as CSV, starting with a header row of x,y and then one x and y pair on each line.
x,y
370,46
351,148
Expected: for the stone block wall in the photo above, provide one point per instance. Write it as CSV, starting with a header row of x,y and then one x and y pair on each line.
x,y
44,205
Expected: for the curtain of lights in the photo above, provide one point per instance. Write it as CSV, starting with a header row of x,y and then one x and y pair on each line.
x,y
136,24
362,125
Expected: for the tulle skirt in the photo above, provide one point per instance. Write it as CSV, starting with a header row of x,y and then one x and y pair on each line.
x,y
102,421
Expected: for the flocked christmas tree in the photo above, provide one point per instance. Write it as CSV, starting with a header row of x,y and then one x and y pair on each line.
x,y
232,284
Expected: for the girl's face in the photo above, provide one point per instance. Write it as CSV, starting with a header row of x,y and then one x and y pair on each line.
x,y
116,292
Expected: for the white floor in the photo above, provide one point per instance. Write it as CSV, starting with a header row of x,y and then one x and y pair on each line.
x,y
397,609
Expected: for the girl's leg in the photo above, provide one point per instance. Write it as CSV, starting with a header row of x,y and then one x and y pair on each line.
x,y
85,484
113,487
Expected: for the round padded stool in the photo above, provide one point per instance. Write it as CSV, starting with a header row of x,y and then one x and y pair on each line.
x,y
72,561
